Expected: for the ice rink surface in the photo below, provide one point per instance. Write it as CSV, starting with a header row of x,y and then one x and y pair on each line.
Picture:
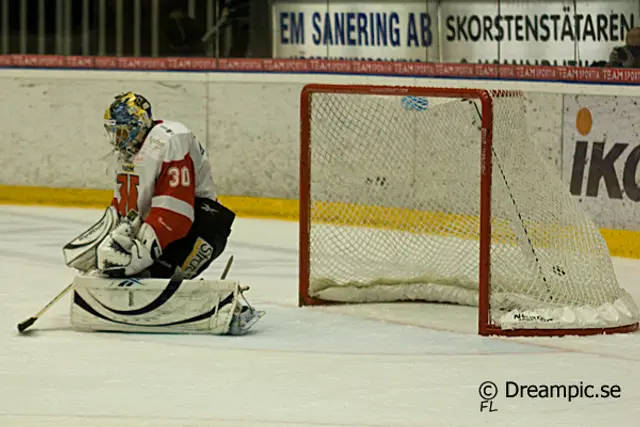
x,y
386,365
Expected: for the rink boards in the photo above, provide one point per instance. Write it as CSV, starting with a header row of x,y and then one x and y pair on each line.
x,y
249,123
624,243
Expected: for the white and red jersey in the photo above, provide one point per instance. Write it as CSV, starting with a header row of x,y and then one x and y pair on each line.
x,y
162,181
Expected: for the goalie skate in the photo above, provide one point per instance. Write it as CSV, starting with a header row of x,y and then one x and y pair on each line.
x,y
244,317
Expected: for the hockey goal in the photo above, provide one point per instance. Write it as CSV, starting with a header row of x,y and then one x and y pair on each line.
x,y
439,195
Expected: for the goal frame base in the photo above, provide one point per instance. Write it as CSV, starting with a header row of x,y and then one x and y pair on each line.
x,y
488,330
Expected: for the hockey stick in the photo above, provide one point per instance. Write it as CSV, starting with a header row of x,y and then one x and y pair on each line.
x,y
22,326
226,271
227,268
213,30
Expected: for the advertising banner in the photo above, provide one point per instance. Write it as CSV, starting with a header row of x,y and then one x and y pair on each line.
x,y
378,31
553,32
601,152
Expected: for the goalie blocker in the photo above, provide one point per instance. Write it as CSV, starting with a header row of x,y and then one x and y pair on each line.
x,y
160,306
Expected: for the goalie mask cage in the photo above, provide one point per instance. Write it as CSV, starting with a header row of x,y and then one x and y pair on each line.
x,y
438,195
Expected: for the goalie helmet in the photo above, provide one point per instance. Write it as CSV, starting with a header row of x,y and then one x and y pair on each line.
x,y
127,121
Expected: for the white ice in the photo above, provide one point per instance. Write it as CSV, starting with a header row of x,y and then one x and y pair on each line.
x,y
387,365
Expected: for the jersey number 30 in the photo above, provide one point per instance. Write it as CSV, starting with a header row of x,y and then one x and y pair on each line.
x,y
128,193
179,176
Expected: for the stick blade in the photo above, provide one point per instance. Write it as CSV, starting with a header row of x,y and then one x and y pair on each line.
x,y
22,326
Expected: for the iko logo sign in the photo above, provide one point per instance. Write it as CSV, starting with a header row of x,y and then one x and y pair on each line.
x,y
613,163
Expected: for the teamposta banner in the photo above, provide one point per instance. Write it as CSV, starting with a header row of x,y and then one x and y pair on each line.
x,y
408,69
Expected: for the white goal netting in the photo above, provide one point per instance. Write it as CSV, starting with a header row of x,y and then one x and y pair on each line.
x,y
395,213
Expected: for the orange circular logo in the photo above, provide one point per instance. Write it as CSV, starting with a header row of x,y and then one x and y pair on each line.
x,y
584,121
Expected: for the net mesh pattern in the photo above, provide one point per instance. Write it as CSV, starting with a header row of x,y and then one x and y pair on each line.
x,y
395,211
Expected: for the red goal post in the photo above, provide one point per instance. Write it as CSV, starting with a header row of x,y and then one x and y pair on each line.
x,y
436,194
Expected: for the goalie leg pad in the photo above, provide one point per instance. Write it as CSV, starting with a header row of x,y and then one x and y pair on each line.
x,y
80,253
154,305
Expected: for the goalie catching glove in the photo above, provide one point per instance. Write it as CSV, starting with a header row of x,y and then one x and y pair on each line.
x,y
80,253
129,249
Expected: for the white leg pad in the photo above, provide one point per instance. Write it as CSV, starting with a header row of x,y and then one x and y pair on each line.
x,y
153,305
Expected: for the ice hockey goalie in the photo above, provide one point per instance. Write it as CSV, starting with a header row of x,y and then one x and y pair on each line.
x,y
163,228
